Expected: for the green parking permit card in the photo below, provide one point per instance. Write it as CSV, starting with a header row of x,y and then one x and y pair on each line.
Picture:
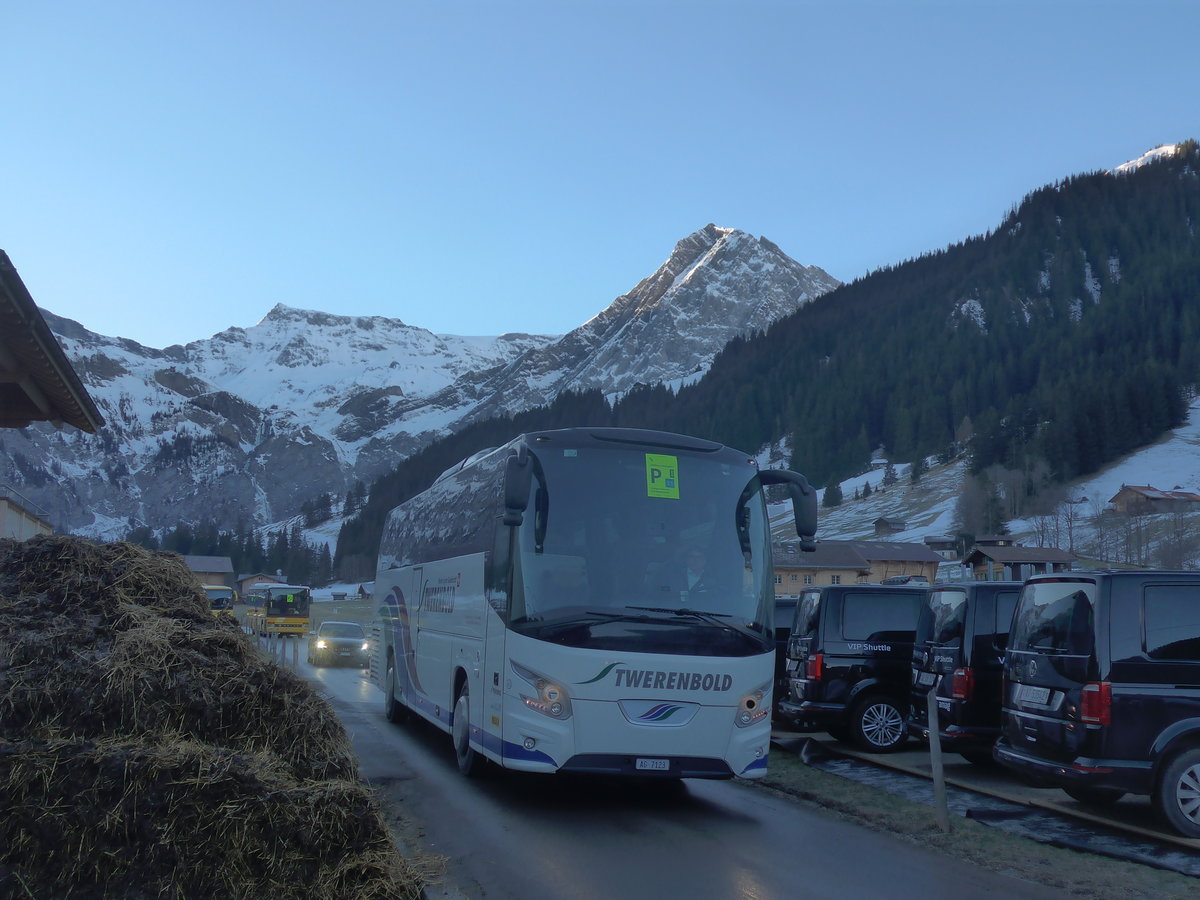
x,y
662,476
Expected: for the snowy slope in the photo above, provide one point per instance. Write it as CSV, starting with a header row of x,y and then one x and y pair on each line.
x,y
928,507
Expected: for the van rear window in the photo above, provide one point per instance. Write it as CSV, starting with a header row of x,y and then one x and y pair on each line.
x,y
1172,622
1055,617
942,618
878,616
808,613
1006,603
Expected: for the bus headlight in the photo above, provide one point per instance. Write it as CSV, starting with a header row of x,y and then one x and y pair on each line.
x,y
754,707
549,697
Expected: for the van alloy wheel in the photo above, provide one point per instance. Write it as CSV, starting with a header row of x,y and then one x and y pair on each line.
x,y
877,725
1177,794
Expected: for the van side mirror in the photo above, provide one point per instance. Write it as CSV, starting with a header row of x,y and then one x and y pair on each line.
x,y
518,476
804,503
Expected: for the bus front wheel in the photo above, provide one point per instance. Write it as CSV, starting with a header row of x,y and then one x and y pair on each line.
x,y
470,763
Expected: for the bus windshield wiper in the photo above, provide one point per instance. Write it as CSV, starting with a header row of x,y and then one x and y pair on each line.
x,y
683,611
712,618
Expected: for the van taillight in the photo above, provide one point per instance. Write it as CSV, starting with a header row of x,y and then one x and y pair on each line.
x,y
962,684
815,667
1095,703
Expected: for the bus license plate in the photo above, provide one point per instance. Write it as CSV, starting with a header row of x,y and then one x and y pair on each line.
x,y
654,765
1027,693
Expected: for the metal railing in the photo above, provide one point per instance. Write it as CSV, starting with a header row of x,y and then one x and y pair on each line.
x,y
8,492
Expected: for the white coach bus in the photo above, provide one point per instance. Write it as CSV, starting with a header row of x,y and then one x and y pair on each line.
x,y
589,600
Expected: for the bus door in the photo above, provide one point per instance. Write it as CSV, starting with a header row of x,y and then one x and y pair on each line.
x,y
498,581
407,637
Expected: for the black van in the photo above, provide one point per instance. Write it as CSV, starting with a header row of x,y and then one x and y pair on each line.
x,y
785,613
1102,689
959,654
850,662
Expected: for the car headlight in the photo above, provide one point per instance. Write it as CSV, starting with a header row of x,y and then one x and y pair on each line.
x,y
365,647
753,707
549,697
321,644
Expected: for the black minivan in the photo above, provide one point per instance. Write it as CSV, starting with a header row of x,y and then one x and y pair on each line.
x,y
785,613
850,662
962,633
1102,689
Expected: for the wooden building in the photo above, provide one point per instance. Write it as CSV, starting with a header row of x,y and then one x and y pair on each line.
x,y
1144,500
1011,562
884,526
37,382
212,569
849,562
20,518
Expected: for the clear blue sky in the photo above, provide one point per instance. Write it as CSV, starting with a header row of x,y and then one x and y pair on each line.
x,y
170,169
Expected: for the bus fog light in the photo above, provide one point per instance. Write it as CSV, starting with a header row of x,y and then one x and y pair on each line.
x,y
529,743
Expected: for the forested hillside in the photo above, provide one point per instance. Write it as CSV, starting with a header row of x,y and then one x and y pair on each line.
x,y
1065,338
1069,334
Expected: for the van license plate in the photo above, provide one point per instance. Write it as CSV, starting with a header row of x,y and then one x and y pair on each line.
x,y
925,678
1027,693
652,765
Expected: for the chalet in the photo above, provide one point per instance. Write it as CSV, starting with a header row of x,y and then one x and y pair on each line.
x,y
1006,561
943,545
891,558
833,562
889,526
1144,500
211,569
849,562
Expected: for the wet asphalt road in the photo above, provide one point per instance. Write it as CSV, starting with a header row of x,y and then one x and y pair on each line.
x,y
519,836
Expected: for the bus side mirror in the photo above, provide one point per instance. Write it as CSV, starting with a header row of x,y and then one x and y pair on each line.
x,y
518,476
804,503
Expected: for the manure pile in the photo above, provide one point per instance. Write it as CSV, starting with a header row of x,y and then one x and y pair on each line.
x,y
147,749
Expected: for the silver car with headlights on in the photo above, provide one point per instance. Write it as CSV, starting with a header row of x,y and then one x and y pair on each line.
x,y
337,643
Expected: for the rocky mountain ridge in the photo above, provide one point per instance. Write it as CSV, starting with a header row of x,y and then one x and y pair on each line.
x,y
248,425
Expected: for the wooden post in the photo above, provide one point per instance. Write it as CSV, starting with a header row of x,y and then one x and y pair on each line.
x,y
935,760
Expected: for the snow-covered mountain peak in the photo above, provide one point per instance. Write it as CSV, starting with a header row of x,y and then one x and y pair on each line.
x,y
1149,156
253,422
717,284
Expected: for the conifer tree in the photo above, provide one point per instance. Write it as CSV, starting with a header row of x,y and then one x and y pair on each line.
x,y
917,469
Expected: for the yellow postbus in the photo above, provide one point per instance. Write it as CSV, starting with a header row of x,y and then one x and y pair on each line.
x,y
220,599
280,609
